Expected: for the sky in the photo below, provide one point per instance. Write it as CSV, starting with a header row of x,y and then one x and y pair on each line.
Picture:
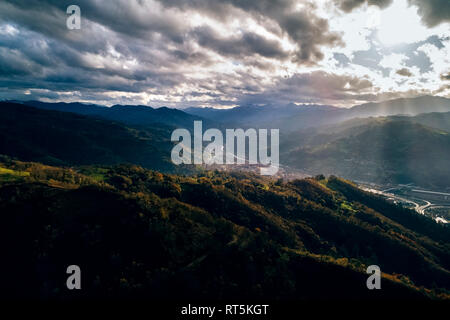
x,y
225,53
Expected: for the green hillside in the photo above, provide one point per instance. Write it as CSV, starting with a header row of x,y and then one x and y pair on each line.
x,y
61,138
137,233
440,121
383,150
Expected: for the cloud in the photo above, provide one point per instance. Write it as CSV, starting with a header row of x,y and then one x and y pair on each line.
x,y
315,87
300,24
188,53
433,12
349,5
159,50
171,20
404,72
393,60
241,45
445,76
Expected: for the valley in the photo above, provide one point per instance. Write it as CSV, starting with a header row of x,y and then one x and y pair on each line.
x,y
101,189
425,202
213,235
220,158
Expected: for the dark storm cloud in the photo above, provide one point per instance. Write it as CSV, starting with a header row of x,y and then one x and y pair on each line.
x,y
318,86
150,46
309,33
187,51
127,17
242,45
404,72
13,63
433,12
331,85
349,5
303,27
49,56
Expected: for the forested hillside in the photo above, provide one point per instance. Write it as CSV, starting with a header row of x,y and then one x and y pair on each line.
x,y
393,150
142,234
63,138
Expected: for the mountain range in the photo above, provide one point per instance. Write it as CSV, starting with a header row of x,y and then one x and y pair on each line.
x,y
397,141
143,116
93,185
396,150
294,117
287,118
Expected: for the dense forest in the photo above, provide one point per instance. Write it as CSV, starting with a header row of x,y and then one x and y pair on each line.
x,y
138,233
63,138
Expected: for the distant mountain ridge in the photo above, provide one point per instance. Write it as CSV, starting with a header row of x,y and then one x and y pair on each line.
x,y
404,106
293,117
257,115
287,118
131,115
314,139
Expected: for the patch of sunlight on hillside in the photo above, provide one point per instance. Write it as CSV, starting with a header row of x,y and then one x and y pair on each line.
x,y
4,171
7,175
